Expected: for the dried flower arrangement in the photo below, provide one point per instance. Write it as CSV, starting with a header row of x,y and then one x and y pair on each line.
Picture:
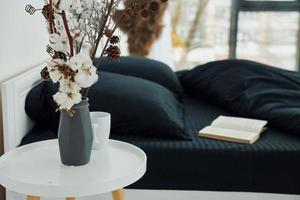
x,y
148,28
76,27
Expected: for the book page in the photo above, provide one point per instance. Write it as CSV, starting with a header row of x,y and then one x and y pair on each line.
x,y
237,123
229,135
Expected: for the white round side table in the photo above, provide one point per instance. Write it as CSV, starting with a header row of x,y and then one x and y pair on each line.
x,y
36,171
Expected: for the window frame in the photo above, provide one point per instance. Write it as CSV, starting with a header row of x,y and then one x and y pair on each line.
x,y
238,6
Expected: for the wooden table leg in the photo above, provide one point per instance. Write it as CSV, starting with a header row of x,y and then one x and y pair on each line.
x,y
118,194
33,198
38,198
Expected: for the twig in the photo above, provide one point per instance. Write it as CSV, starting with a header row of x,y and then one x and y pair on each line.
x,y
106,44
63,15
51,21
100,33
107,41
85,91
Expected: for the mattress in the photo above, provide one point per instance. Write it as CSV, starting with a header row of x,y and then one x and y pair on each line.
x,y
270,165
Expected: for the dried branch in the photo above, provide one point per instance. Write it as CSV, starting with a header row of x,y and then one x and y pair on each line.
x,y
70,38
101,31
108,39
51,17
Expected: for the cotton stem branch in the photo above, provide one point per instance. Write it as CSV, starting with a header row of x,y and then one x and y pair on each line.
x,y
70,38
51,21
101,31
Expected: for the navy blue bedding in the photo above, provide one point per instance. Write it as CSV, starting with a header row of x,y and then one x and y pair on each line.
x,y
249,89
232,87
270,165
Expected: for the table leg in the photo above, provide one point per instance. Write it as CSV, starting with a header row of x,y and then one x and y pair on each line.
x,y
33,198
118,194
70,198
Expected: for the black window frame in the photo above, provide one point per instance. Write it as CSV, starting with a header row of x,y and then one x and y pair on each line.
x,y
238,6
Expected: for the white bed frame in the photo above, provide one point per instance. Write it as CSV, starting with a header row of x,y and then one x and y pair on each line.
x,y
16,124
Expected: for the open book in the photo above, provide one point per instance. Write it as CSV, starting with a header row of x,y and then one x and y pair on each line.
x,y
234,129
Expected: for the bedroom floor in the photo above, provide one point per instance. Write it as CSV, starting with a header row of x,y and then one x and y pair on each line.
x,y
183,195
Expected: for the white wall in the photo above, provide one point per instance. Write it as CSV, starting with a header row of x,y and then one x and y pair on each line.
x,y
23,37
23,40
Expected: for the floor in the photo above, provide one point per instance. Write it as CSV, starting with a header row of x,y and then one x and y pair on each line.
x,y
183,195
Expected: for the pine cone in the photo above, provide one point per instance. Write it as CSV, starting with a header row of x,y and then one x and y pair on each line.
x,y
129,12
108,33
114,39
113,52
154,6
45,74
144,13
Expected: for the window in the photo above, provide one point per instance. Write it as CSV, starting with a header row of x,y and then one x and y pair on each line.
x,y
268,37
261,30
266,31
200,31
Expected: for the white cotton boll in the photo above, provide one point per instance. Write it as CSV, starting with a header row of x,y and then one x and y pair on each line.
x,y
60,98
67,105
76,97
55,75
69,87
55,43
66,101
81,60
93,70
58,43
76,62
85,79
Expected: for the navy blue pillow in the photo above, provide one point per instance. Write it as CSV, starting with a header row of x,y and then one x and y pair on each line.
x,y
40,107
137,106
145,68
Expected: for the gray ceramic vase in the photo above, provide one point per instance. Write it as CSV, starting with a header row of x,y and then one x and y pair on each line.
x,y
75,136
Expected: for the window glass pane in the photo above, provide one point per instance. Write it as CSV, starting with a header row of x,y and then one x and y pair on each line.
x,y
197,42
270,0
269,37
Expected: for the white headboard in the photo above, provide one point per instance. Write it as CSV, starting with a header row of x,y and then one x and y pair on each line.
x,y
14,91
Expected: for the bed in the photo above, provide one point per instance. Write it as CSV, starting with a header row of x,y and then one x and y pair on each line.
x,y
271,165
